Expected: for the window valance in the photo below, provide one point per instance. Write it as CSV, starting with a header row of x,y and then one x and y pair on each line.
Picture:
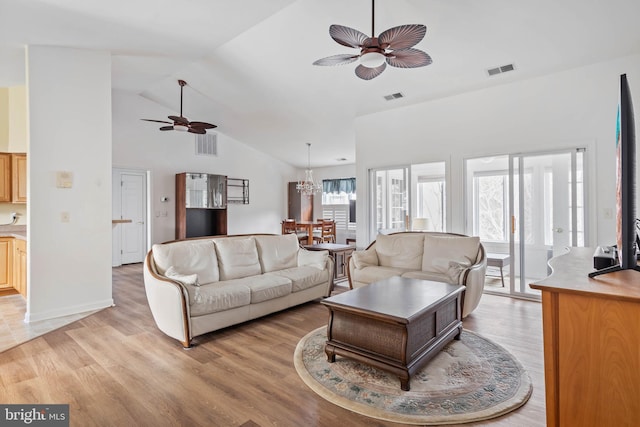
x,y
342,185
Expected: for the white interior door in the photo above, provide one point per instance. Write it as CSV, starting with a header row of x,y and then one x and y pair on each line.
x,y
129,203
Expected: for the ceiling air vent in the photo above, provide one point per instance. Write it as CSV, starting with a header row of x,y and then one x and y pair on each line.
x,y
393,96
207,144
500,70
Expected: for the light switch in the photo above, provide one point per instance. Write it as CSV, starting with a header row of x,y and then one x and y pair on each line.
x,y
64,179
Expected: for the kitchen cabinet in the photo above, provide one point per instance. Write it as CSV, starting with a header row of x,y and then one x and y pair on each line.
x,y
6,263
13,177
20,266
18,178
5,177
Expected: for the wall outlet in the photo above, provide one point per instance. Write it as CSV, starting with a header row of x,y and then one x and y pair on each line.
x,y
65,217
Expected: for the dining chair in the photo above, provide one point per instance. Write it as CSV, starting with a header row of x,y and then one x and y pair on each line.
x,y
289,226
327,232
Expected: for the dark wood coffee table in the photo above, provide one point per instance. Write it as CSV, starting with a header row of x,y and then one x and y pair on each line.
x,y
396,324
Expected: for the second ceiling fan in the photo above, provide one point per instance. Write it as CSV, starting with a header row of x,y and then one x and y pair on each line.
x,y
181,123
393,47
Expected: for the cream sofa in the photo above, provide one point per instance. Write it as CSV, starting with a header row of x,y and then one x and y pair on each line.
x,y
443,257
200,285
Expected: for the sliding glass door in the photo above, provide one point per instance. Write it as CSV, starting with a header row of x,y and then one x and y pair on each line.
x,y
526,209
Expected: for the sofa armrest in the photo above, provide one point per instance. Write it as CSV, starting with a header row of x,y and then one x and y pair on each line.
x,y
474,278
168,301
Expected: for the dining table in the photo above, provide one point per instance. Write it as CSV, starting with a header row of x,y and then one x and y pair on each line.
x,y
308,227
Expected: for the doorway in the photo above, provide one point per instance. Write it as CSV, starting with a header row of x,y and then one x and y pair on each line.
x,y
526,208
130,205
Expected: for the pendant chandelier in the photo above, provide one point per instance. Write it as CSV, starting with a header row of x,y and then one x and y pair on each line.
x,y
308,187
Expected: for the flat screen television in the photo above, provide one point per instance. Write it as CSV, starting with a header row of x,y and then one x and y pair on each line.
x,y
626,235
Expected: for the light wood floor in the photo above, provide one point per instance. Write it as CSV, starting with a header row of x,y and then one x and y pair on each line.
x,y
115,368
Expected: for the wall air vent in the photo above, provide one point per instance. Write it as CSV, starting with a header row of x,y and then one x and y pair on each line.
x,y
500,70
207,144
393,96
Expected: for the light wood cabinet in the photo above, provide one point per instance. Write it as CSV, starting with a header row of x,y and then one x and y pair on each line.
x,y
20,266
6,262
18,178
13,177
5,177
591,329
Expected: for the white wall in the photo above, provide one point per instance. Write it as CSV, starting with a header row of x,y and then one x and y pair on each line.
x,y
140,145
572,108
69,102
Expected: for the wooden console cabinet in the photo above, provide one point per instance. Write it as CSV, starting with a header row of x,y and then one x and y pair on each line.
x,y
591,333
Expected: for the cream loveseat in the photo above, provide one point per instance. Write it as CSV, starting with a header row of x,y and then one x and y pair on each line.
x,y
443,257
195,286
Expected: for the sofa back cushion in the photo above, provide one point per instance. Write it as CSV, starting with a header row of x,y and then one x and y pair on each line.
x,y
400,250
237,257
449,255
188,257
277,252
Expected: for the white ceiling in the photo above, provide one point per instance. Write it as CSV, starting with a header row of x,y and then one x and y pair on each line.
x,y
248,62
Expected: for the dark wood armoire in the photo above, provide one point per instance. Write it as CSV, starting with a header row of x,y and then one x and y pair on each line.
x,y
300,206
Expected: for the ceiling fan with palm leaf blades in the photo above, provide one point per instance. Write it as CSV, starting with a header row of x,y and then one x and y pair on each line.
x,y
393,47
181,123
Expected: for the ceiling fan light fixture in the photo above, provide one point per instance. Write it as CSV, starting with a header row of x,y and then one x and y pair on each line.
x,y
392,47
180,127
372,59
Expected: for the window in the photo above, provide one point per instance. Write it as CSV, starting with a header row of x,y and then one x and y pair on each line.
x,y
337,196
409,198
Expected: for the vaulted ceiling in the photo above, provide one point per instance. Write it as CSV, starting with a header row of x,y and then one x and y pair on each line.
x,y
249,65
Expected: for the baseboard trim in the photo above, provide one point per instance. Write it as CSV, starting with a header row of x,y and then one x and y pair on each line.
x,y
66,311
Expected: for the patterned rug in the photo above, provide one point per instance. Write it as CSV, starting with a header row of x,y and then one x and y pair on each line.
x,y
469,380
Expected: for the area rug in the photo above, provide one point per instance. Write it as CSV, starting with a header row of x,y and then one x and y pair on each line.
x,y
470,380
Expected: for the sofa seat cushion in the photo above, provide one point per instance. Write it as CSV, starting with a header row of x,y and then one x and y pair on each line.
x,y
375,273
188,257
218,296
428,275
237,257
264,286
400,250
303,277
